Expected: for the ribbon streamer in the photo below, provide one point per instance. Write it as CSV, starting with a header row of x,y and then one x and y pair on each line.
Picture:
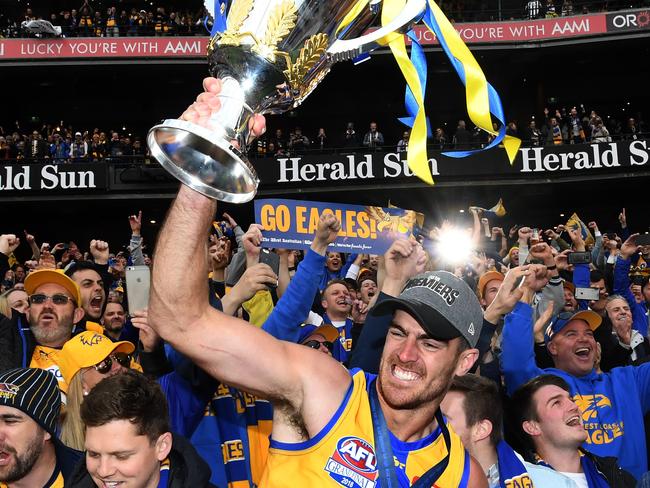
x,y
481,98
420,63
219,18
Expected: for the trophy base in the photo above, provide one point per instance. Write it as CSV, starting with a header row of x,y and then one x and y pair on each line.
x,y
204,160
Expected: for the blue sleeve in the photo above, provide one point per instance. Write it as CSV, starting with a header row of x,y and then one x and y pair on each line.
x,y
581,280
642,377
186,405
517,348
346,266
622,287
295,304
367,352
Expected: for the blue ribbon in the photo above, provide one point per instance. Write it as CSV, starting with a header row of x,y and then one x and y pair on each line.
x,y
419,61
495,102
219,21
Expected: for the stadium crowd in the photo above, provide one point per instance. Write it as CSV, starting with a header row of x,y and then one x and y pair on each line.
x,y
562,372
91,19
64,143
521,362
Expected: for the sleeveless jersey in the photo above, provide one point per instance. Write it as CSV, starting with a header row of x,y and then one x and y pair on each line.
x,y
343,453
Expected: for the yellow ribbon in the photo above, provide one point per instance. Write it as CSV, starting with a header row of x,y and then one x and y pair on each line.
x,y
476,89
416,156
351,15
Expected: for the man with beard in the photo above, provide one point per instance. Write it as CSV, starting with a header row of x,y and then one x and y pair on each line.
x,y
53,312
113,320
31,455
331,427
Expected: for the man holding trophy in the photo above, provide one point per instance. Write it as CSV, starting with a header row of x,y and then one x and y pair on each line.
x,y
331,426
324,415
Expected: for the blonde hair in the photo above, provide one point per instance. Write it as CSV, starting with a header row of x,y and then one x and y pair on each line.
x,y
72,427
5,309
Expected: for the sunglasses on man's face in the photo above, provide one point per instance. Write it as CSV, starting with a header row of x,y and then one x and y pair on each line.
x,y
315,344
122,358
57,299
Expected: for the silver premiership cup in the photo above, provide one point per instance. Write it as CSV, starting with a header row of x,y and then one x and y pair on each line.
x,y
271,56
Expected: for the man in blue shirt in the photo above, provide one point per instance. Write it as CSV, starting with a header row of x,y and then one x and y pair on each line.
x,y
612,404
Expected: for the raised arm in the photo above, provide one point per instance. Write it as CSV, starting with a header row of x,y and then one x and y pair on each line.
x,y
518,355
228,348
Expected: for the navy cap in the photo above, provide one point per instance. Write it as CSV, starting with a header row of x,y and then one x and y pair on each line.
x,y
562,319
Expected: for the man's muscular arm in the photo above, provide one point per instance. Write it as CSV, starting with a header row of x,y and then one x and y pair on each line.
x,y
228,348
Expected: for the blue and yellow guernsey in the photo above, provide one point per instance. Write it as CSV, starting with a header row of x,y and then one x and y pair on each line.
x,y
343,452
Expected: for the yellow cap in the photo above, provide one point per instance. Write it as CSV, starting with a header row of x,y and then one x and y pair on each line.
x,y
485,279
37,278
87,349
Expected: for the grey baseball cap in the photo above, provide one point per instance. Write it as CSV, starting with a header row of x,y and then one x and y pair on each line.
x,y
444,305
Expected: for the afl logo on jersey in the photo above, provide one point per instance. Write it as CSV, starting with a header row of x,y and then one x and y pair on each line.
x,y
353,464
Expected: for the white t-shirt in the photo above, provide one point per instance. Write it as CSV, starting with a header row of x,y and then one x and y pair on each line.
x,y
578,478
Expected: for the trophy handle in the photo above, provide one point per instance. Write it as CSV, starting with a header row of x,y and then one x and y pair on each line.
x,y
350,48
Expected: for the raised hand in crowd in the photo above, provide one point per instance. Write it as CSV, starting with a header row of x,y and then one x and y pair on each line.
x,y
622,219
99,251
593,226
542,322
403,260
135,221
544,253
629,247
359,311
29,238
326,232
252,242
576,237
256,278
148,337
8,243
562,260
219,252
510,292
231,222
46,261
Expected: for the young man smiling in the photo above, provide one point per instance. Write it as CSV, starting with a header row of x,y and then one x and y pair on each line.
x,y
128,440
551,423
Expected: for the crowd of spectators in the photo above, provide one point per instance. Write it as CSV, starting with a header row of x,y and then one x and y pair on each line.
x,y
533,285
65,144
114,21
90,20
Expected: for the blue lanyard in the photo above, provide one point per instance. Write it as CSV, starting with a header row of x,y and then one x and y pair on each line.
x,y
384,451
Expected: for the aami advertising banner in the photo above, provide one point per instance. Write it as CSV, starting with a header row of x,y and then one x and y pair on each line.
x,y
512,31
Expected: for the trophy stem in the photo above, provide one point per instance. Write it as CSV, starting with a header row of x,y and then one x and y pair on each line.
x,y
231,121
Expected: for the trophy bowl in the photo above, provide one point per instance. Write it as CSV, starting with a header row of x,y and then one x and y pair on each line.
x,y
270,57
